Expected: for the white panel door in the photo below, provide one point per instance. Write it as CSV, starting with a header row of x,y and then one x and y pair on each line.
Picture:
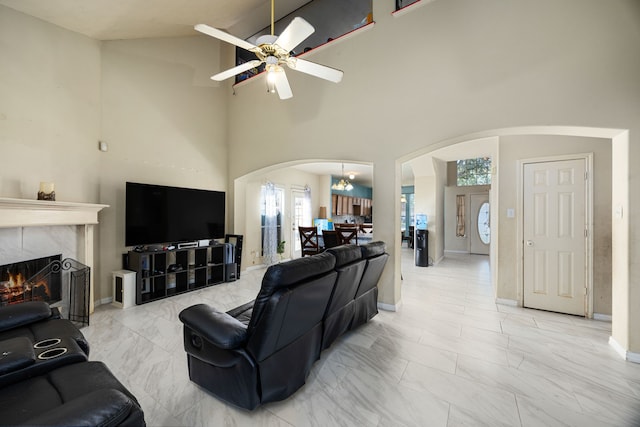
x,y
555,224
479,226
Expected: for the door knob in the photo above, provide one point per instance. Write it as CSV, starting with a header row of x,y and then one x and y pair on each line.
x,y
529,242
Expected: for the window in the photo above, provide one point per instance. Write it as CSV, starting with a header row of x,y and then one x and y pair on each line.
x,y
484,230
474,172
278,204
404,3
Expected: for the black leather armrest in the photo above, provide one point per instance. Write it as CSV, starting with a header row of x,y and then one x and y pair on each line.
x,y
220,329
13,316
106,407
15,353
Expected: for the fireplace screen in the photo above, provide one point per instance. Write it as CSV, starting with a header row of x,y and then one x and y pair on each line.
x,y
63,284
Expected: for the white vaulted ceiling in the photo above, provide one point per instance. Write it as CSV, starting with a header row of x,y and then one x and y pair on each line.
x,y
131,19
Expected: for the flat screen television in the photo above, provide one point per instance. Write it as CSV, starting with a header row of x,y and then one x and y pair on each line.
x,y
158,214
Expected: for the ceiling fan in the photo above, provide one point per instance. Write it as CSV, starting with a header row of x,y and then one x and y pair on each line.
x,y
275,52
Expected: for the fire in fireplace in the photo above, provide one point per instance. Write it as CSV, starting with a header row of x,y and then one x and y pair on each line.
x,y
21,282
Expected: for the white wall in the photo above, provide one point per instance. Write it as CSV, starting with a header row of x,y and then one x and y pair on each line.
x,y
165,123
324,195
437,246
49,109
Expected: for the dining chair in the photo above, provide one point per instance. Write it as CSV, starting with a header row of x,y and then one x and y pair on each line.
x,y
330,238
309,241
347,234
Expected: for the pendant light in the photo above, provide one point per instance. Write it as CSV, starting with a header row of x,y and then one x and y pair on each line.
x,y
343,184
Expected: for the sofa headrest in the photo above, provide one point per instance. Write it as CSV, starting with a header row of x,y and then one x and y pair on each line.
x,y
291,272
373,249
345,254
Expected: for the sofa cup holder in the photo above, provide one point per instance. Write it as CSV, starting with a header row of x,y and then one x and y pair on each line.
x,y
52,353
50,342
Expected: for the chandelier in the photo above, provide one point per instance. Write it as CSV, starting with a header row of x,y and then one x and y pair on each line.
x,y
343,184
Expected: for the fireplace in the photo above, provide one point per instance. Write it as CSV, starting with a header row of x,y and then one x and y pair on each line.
x,y
32,228
24,281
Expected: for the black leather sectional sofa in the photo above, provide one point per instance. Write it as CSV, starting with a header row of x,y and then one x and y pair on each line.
x,y
46,378
263,351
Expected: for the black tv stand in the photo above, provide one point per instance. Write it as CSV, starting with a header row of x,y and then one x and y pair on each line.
x,y
164,273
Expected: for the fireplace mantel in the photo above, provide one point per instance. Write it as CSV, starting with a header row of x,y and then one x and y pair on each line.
x,y
31,213
26,212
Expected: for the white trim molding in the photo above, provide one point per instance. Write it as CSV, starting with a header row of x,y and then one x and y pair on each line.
x,y
509,302
602,317
389,307
28,212
624,353
104,301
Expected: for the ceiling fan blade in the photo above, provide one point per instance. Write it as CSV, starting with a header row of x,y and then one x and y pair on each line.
x,y
236,70
294,34
282,84
322,71
226,37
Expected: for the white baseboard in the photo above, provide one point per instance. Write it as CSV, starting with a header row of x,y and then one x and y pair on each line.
x,y
509,302
103,301
389,307
602,317
624,353
450,251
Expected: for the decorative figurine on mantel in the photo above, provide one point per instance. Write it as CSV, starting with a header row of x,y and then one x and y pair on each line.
x,y
47,191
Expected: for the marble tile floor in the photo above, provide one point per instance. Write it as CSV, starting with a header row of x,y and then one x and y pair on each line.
x,y
449,357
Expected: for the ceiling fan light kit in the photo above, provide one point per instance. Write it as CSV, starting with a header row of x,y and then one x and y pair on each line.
x,y
274,51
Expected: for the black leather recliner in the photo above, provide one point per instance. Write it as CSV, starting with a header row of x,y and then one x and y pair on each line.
x,y
45,378
262,351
